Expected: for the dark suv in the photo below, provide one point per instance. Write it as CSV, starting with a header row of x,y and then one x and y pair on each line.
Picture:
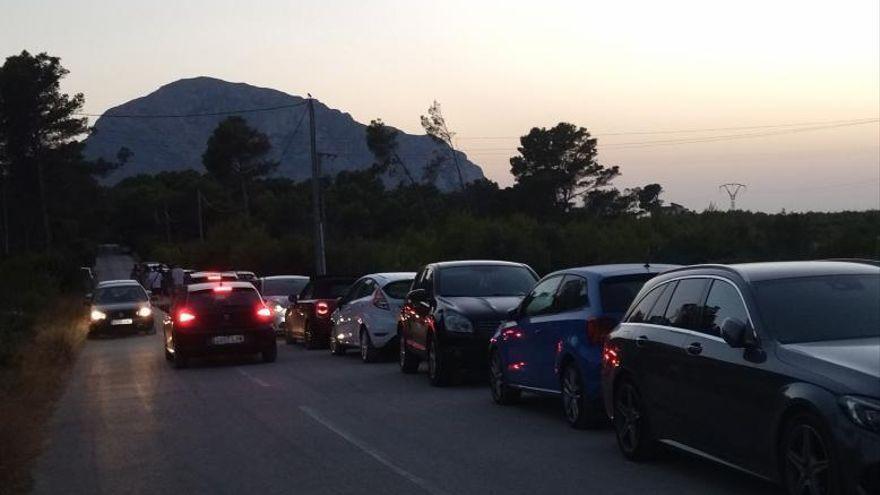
x,y
773,368
454,309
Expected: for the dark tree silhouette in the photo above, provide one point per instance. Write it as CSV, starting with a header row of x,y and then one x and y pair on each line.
x,y
435,126
236,156
382,142
38,129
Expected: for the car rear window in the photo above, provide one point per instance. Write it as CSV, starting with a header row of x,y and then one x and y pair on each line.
x,y
617,293
326,289
397,289
814,309
210,299
283,286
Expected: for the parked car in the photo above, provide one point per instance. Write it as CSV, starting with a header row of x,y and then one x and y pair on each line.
x,y
308,317
120,306
219,318
276,291
247,276
552,343
773,368
367,314
453,309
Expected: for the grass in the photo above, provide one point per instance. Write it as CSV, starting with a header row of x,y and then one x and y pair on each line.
x,y
30,386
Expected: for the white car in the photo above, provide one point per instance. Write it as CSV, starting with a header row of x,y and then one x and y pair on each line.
x,y
276,291
366,316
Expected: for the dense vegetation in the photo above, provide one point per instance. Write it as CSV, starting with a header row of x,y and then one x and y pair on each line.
x,y
563,209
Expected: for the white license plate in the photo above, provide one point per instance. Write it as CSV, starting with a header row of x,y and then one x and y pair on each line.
x,y
124,321
227,339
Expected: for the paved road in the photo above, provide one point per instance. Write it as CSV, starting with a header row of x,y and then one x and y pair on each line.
x,y
312,423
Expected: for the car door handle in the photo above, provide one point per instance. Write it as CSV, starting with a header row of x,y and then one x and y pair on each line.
x,y
695,348
642,341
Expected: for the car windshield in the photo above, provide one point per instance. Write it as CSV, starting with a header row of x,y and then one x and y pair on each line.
x,y
812,309
484,281
283,286
617,293
123,294
398,288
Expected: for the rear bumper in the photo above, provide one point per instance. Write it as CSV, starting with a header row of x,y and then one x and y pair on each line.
x,y
202,344
320,328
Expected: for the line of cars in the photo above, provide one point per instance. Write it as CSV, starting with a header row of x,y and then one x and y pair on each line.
x,y
769,368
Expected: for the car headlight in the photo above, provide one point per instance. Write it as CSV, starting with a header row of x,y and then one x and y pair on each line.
x,y
144,311
863,412
98,315
279,308
455,322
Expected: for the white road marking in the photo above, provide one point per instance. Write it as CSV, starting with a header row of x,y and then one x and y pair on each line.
x,y
253,378
375,454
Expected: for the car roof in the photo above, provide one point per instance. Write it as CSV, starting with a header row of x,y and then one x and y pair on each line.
x,y
211,272
285,277
117,283
392,276
617,269
235,284
246,272
455,263
773,270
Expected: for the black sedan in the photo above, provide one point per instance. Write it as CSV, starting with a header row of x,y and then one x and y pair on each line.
x,y
453,310
772,368
219,318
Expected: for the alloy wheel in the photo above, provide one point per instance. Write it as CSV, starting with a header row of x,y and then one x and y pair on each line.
x,y
628,418
402,354
364,347
807,463
571,394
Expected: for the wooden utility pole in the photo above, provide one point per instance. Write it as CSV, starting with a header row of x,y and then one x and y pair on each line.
x,y
317,209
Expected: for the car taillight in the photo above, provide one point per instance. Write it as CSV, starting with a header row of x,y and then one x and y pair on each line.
x,y
598,329
610,357
322,308
264,313
185,317
379,300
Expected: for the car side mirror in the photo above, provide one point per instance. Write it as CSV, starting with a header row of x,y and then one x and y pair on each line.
x,y
417,295
735,332
292,298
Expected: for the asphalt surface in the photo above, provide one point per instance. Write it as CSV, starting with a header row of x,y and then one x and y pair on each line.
x,y
312,423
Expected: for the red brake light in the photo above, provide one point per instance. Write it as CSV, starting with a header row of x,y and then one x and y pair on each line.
x,y
322,308
223,288
379,300
264,313
598,329
185,316
610,358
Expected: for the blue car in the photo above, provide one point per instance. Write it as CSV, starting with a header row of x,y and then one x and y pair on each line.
x,y
552,342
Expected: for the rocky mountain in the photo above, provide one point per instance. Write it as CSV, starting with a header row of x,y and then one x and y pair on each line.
x,y
163,142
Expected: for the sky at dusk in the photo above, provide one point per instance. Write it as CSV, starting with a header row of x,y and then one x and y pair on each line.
x,y
783,96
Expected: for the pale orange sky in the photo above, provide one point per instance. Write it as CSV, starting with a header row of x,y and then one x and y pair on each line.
x,y
501,67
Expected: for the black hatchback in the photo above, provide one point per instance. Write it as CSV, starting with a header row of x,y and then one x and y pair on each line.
x,y
771,368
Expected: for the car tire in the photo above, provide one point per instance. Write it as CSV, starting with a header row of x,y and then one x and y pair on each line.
x,y
308,338
409,363
180,360
502,393
575,408
168,356
806,457
369,354
336,348
631,424
270,355
438,366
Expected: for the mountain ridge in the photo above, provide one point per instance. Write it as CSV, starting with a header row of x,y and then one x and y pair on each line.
x,y
170,142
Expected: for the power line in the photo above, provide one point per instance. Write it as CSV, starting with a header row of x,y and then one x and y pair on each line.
x,y
695,140
694,130
181,116
292,135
